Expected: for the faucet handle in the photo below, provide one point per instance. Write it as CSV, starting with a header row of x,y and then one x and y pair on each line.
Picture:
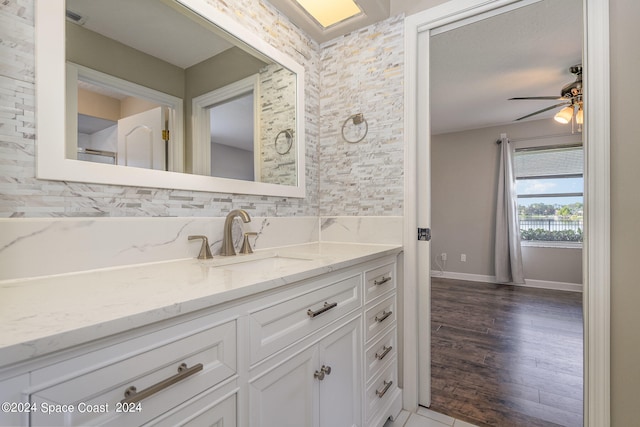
x,y
246,246
205,251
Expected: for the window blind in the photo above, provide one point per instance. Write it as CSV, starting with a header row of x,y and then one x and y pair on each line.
x,y
549,162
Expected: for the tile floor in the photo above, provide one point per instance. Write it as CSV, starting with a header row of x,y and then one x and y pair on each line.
x,y
426,418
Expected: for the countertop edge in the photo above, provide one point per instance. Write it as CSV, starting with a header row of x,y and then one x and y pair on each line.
x,y
26,351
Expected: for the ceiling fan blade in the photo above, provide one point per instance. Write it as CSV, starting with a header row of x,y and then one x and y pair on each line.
x,y
555,98
543,110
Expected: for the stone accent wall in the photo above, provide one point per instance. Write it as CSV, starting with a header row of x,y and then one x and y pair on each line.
x,y
363,72
277,102
22,195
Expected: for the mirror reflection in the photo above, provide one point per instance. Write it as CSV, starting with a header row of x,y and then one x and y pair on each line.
x,y
152,85
232,137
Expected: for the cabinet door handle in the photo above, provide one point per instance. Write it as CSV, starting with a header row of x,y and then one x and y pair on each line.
x,y
325,308
385,351
325,370
381,282
382,392
131,395
385,314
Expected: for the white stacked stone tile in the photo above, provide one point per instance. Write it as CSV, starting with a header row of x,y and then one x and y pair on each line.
x,y
362,72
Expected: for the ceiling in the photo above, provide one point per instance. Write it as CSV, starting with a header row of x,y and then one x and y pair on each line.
x,y
151,27
372,11
527,51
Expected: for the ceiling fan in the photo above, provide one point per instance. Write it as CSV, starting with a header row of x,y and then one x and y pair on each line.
x,y
570,95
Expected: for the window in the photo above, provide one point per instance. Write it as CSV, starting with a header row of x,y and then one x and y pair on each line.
x,y
549,185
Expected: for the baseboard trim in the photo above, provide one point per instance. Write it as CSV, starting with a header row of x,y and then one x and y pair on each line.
x,y
559,286
463,276
530,283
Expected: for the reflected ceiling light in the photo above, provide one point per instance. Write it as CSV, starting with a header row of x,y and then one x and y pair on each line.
x,y
564,116
580,115
330,12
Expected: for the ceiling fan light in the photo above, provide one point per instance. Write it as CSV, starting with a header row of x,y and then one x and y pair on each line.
x,y
564,116
580,116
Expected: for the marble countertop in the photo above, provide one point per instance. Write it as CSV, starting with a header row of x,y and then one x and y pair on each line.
x,y
46,314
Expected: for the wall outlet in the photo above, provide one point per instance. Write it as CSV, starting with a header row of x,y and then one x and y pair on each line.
x,y
463,257
443,256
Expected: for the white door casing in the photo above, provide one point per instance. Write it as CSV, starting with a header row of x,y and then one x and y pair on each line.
x,y
596,249
202,122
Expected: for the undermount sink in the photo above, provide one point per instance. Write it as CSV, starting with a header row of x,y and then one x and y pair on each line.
x,y
256,262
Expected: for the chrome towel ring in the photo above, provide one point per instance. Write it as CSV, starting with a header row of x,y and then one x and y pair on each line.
x,y
357,119
288,133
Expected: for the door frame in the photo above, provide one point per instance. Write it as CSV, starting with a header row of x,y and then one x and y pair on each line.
x,y
75,72
596,247
201,157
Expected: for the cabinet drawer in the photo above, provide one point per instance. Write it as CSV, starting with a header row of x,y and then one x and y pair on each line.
x,y
381,390
379,281
213,408
379,317
209,356
284,323
379,354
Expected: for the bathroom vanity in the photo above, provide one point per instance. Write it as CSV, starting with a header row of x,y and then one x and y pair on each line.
x,y
299,336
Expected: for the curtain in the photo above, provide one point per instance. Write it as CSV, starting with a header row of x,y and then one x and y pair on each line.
x,y
508,255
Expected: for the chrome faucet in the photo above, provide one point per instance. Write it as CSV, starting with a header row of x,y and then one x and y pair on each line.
x,y
227,238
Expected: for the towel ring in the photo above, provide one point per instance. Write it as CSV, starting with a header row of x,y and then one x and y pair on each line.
x,y
357,119
288,133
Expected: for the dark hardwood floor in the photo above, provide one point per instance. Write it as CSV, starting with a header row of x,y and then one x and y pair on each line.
x,y
505,355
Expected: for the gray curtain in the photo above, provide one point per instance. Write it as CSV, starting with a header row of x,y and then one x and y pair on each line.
x,y
508,256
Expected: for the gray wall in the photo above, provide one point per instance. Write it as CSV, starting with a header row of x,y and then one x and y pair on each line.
x,y
552,264
625,212
85,47
463,199
231,162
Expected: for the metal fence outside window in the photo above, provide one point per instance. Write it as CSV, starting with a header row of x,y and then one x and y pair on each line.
x,y
550,224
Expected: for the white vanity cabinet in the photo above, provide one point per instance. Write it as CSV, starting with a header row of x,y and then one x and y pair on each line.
x,y
319,386
305,350
15,406
317,352
328,378
134,381
382,395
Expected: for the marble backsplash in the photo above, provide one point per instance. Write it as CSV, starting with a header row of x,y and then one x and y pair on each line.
x,y
362,229
31,247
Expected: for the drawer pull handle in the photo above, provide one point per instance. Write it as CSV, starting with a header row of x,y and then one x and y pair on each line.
x,y
385,314
325,308
325,370
384,390
385,351
131,395
381,282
